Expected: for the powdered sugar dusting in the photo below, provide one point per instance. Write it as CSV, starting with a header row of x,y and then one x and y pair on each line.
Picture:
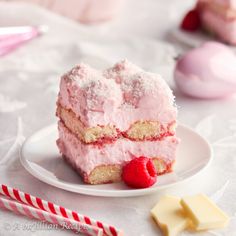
x,y
101,92
141,84
81,74
93,87
124,77
121,70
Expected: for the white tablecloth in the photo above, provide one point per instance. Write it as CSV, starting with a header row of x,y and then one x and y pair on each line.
x,y
28,87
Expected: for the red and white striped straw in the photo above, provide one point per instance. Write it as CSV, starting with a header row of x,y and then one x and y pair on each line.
x,y
57,210
66,223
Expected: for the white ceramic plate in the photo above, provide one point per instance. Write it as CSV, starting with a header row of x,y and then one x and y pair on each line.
x,y
40,156
194,39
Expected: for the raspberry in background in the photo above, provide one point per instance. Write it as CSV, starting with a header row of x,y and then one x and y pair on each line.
x,y
191,21
139,173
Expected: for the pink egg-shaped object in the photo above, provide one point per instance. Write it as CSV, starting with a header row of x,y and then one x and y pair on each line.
x,y
207,72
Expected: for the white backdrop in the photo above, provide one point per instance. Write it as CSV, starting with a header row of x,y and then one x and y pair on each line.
x,y
28,87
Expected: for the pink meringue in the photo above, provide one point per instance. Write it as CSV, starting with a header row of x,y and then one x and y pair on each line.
x,y
207,72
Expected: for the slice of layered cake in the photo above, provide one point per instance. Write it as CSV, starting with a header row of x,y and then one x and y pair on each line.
x,y
219,17
107,118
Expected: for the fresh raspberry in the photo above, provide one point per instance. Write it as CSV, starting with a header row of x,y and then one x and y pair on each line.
x,y
139,173
191,21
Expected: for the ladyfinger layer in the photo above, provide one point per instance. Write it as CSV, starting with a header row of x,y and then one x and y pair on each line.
x,y
138,131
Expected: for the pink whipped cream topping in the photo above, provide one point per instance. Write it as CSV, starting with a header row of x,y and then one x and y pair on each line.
x,y
87,157
118,96
207,72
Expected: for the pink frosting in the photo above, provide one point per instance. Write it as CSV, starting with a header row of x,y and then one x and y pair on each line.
x,y
87,157
207,72
119,95
225,30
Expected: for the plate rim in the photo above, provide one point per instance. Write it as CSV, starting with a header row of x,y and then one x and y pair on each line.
x,y
182,36
102,192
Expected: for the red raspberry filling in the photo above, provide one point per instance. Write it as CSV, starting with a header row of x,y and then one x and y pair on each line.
x,y
139,173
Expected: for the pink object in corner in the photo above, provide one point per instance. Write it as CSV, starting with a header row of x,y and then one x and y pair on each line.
x,y
85,11
13,37
207,72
